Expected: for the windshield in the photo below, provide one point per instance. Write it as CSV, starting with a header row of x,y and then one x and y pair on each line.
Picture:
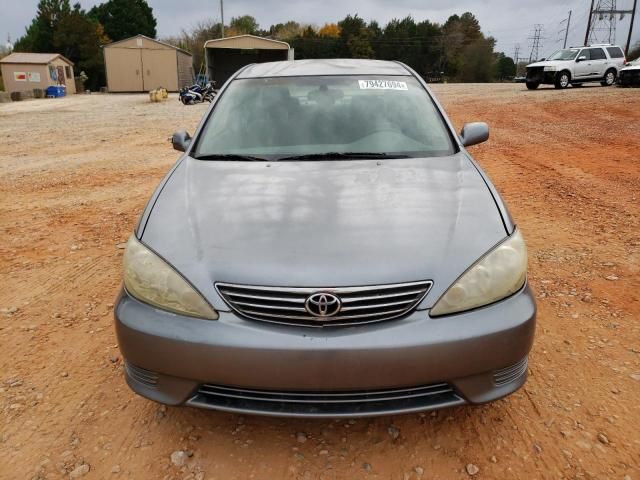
x,y
569,54
276,118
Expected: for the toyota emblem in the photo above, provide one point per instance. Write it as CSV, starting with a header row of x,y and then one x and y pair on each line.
x,y
323,304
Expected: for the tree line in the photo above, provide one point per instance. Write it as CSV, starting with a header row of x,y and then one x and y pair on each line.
x,y
456,50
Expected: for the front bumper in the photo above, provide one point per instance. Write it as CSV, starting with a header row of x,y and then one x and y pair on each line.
x,y
629,78
411,364
538,75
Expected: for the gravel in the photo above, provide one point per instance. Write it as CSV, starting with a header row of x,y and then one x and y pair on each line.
x,y
472,469
394,432
80,471
179,458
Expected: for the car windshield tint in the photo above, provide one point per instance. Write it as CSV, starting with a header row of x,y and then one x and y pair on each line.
x,y
564,55
344,117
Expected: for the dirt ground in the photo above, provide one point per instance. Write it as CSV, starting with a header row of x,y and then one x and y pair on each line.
x,y
74,175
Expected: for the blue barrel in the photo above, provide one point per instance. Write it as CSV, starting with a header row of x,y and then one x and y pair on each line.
x,y
56,91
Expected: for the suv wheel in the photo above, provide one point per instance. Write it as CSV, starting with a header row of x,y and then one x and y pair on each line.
x,y
609,78
532,85
563,79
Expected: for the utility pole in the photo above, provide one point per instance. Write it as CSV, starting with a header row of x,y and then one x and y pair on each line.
x,y
535,45
566,32
586,35
633,17
222,17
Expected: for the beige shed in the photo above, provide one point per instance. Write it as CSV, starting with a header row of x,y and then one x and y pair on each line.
x,y
26,71
140,64
224,56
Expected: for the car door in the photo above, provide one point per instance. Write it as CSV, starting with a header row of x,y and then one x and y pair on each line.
x,y
599,62
583,64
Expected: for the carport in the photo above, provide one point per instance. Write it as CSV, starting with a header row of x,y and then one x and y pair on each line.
x,y
224,56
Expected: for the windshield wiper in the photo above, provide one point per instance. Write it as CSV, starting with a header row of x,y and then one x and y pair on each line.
x,y
341,156
230,156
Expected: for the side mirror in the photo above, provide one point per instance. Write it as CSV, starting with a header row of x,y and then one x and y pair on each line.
x,y
181,140
581,59
474,133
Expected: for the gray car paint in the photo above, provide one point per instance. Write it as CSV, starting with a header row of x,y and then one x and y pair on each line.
x,y
415,350
408,351
324,223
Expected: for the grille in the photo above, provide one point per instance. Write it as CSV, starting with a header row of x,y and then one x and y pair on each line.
x,y
358,304
363,403
509,374
141,375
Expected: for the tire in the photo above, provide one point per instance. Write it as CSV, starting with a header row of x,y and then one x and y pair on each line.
x,y
532,85
609,78
563,79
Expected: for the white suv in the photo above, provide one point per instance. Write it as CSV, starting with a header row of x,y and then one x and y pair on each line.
x,y
575,66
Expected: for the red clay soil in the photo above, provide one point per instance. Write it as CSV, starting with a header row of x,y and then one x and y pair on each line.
x,y
566,162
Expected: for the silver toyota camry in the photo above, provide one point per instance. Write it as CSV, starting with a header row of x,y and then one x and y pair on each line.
x,y
325,246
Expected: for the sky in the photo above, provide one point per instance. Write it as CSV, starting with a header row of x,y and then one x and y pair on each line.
x,y
510,22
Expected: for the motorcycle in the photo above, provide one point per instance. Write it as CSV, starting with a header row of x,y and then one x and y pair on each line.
x,y
197,93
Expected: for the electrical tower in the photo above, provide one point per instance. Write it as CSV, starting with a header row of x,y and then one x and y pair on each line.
x,y
603,18
535,42
516,57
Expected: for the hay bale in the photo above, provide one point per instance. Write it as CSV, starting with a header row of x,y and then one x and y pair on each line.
x,y
16,96
5,97
38,93
26,94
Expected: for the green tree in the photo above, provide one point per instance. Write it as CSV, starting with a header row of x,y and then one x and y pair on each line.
x,y
467,54
505,67
125,18
355,37
39,34
634,52
477,61
78,38
285,31
246,24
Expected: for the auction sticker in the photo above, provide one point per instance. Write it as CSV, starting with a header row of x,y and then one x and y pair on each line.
x,y
382,85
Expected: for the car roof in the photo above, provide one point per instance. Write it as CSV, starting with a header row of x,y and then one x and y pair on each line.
x,y
339,66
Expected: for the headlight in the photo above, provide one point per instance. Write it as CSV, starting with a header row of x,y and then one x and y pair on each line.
x,y
495,276
148,278
549,69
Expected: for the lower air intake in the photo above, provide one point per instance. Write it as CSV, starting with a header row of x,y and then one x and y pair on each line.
x,y
326,404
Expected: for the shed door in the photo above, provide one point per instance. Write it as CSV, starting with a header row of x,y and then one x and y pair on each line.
x,y
124,69
160,69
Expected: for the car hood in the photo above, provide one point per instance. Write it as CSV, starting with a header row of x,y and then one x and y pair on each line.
x,y
324,223
550,63
632,66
